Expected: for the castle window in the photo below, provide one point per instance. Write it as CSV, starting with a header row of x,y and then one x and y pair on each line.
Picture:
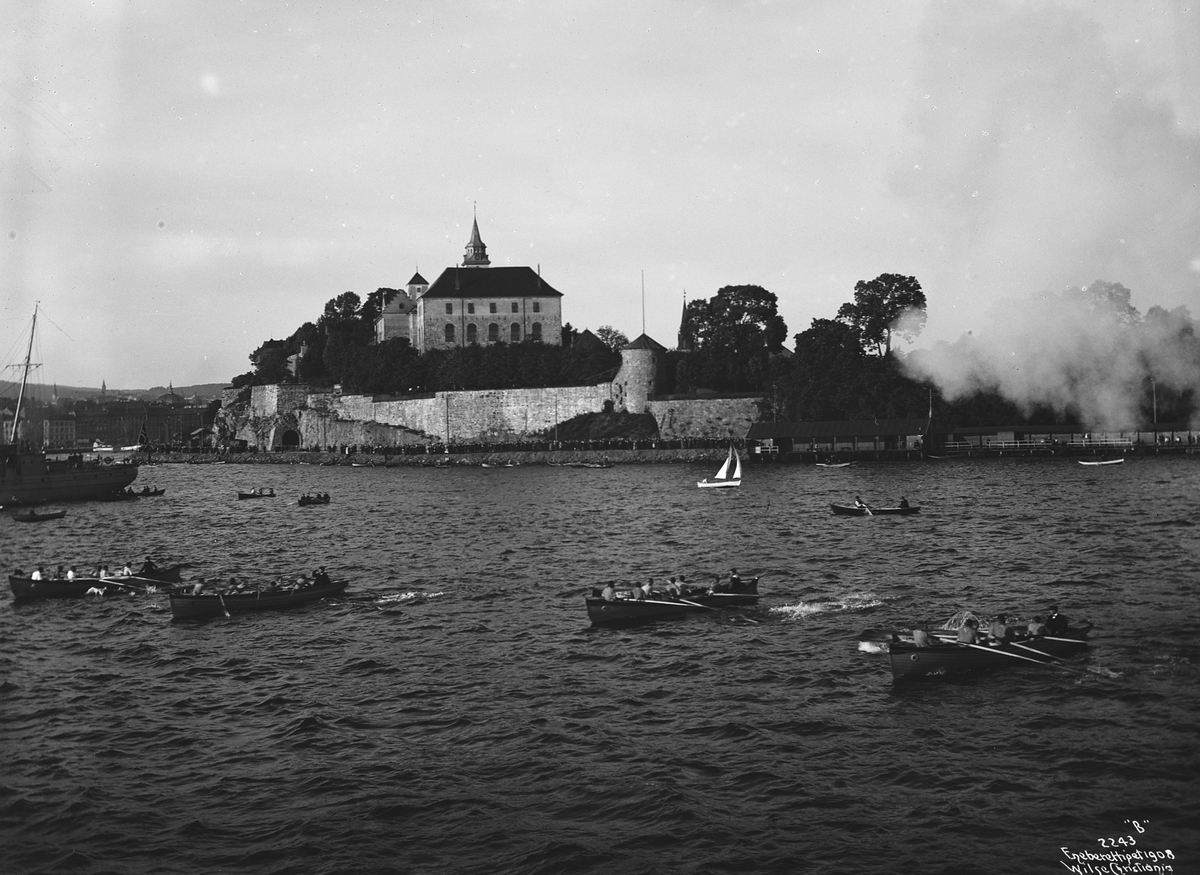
x,y
516,332
492,306
470,308
536,330
514,307
537,306
493,332
449,309
472,333
449,333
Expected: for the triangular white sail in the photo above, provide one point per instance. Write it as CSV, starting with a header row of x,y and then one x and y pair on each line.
x,y
733,460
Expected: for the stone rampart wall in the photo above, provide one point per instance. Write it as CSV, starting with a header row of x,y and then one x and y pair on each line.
x,y
704,417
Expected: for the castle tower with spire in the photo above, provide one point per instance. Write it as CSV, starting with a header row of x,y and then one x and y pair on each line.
x,y
476,254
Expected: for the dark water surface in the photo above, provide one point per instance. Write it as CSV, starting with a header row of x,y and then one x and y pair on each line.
x,y
456,713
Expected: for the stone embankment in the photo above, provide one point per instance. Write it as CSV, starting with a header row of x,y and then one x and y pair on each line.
x,y
429,460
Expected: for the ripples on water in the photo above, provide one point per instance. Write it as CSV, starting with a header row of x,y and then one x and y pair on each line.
x,y
456,713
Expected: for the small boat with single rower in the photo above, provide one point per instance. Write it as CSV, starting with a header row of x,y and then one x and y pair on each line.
x,y
855,510
912,663
36,516
24,587
185,606
627,610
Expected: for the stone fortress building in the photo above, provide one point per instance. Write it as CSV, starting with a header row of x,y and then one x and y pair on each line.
x,y
473,303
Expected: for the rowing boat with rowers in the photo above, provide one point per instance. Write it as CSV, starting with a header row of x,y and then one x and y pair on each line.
x,y
910,662
61,588
627,610
855,510
185,606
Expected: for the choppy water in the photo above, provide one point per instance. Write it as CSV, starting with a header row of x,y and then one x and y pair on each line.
x,y
456,713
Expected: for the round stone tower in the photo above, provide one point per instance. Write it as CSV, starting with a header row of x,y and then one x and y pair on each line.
x,y
637,380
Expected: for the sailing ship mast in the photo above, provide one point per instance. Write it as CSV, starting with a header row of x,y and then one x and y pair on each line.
x,y
24,376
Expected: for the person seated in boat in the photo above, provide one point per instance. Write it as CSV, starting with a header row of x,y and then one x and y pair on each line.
x,y
271,491
674,590
71,573
320,578
637,594
999,631
127,570
969,632
104,571
198,587
903,501
59,574
735,580
609,593
648,588
921,637
859,503
1036,627
148,567
1056,623
38,574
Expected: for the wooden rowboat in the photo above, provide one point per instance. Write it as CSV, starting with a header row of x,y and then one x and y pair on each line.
x,y
27,588
206,606
912,663
854,510
631,611
33,516
242,496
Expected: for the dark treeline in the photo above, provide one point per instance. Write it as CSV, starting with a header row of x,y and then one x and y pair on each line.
x,y
842,368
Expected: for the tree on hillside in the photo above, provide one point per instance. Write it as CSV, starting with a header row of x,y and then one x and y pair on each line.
x,y
730,338
613,339
889,304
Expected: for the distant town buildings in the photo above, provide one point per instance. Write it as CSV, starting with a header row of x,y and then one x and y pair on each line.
x,y
473,303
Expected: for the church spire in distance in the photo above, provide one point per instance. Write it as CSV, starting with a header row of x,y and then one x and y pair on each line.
x,y
476,255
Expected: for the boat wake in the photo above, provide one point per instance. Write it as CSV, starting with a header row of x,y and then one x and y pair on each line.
x,y
804,609
406,597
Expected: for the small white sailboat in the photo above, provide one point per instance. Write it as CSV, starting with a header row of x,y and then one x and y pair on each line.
x,y
723,478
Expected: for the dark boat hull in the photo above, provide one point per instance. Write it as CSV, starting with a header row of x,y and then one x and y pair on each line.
x,y
26,588
308,502
31,478
851,510
631,612
34,517
245,496
911,663
204,607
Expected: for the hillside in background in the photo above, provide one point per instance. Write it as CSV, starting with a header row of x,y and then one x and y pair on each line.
x,y
43,393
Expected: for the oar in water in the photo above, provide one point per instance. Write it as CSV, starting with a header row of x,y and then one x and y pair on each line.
x,y
223,607
1019,656
694,605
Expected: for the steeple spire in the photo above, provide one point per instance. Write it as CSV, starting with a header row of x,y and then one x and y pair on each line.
x,y
476,255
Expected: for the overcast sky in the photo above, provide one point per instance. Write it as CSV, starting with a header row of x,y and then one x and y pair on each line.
x,y
183,180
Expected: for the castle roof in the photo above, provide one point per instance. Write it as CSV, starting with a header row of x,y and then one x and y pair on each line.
x,y
490,282
645,342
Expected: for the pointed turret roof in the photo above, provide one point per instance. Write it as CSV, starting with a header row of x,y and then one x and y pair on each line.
x,y
476,255
417,280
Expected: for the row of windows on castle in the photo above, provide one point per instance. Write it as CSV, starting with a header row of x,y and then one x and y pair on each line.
x,y
535,331
537,308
